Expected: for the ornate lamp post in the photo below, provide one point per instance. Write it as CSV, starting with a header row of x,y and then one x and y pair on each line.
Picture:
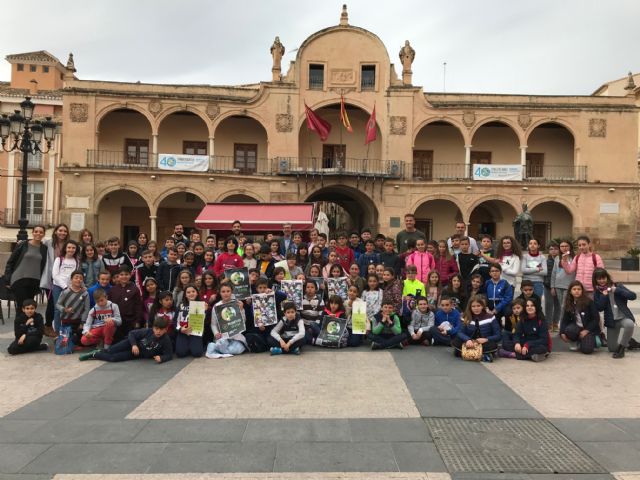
x,y
18,132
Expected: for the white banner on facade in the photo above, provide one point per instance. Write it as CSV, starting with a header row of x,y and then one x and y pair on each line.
x,y
183,163
497,172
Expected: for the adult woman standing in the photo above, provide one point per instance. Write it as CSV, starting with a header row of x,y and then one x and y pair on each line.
x,y
25,266
85,238
54,249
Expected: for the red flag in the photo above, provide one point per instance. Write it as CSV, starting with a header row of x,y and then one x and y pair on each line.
x,y
371,131
317,124
344,118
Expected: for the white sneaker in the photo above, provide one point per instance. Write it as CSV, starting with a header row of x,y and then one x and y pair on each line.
x,y
575,347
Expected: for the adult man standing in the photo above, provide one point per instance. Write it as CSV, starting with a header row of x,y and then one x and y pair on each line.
x,y
178,234
409,232
285,240
236,229
461,229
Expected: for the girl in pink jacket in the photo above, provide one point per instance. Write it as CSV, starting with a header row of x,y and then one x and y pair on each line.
x,y
423,261
583,264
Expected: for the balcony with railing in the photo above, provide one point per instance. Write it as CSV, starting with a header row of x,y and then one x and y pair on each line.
x,y
34,162
458,172
354,167
12,215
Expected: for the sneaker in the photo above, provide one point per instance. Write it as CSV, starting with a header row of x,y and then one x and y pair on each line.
x,y
276,350
633,344
575,347
43,347
296,351
506,354
486,357
619,353
49,331
376,346
88,356
538,357
399,346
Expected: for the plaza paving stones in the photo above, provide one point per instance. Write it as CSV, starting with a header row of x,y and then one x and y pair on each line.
x,y
267,476
573,385
26,378
316,384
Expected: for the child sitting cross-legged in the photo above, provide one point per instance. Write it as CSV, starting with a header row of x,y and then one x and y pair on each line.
x,y
422,321
142,343
532,334
386,331
28,329
289,333
447,322
102,321
479,326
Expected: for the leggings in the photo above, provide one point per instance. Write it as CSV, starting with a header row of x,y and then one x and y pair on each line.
x,y
25,289
613,333
189,345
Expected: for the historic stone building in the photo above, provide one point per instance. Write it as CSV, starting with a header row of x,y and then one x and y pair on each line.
x,y
576,155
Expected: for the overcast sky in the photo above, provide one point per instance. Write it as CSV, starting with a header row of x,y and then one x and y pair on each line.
x,y
499,46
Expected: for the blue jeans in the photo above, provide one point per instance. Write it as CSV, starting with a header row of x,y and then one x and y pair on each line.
x,y
439,338
55,294
538,289
226,346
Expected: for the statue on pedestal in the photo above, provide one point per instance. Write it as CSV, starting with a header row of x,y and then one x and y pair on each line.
x,y
277,52
523,227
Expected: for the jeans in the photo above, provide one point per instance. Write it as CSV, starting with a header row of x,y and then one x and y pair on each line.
x,y
275,343
120,352
561,293
311,333
189,345
440,338
551,307
613,333
55,294
424,337
354,340
226,346
538,289
387,340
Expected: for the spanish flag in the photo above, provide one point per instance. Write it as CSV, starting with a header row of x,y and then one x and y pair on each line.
x,y
344,118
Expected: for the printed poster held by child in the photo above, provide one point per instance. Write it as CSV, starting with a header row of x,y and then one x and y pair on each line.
x,y
239,278
264,309
333,332
196,318
229,318
294,291
338,286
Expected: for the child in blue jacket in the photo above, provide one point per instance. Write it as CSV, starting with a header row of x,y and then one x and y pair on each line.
x,y
447,323
478,326
499,292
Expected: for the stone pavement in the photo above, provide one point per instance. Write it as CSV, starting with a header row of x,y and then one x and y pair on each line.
x,y
412,414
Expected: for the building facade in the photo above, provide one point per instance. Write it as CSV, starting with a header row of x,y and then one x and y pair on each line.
x,y
578,154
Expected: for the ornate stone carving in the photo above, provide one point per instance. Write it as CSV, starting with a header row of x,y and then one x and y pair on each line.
x,y
79,112
213,110
407,55
469,119
342,76
598,127
155,107
397,125
284,122
524,120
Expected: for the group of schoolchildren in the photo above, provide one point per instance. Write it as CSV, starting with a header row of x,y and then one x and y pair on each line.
x,y
134,303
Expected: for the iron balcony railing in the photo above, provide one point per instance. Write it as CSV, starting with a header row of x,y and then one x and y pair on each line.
x,y
335,166
34,162
454,172
12,215
556,173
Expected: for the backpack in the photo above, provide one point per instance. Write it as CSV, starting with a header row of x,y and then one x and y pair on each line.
x,y
593,257
64,343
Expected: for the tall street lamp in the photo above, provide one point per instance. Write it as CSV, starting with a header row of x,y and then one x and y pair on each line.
x,y
18,132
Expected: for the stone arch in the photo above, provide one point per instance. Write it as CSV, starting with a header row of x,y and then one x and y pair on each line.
x,y
238,113
573,210
167,193
336,101
437,222
451,121
494,196
492,215
184,108
552,218
126,106
360,207
237,193
435,196
123,211
98,197
514,127
544,121
179,125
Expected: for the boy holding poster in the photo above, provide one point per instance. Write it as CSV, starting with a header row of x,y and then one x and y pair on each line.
x,y
288,335
189,338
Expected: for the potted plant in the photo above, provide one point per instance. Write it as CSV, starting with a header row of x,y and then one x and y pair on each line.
x,y
631,262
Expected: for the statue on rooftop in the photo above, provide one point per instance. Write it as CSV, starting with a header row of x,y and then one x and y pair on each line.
x,y
407,55
277,52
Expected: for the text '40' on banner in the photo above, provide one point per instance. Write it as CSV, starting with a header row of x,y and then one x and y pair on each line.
x,y
497,172
183,163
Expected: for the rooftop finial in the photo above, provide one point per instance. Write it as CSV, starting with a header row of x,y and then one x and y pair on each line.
x,y
70,64
631,85
344,16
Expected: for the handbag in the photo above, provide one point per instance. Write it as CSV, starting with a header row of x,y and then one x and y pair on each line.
x,y
473,354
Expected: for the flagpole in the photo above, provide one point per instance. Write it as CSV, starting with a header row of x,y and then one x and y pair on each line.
x,y
341,125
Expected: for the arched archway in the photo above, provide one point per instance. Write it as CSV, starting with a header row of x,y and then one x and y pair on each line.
x,y
437,217
551,220
183,132
341,150
346,208
551,152
495,142
239,198
492,217
241,144
438,152
177,207
123,213
124,138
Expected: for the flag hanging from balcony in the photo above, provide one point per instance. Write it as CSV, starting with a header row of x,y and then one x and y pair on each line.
x,y
317,124
344,118
371,132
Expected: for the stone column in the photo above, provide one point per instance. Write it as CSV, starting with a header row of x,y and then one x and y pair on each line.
x,y
467,161
211,153
523,160
153,233
154,150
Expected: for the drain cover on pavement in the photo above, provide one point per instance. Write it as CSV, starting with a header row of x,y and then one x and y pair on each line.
x,y
510,446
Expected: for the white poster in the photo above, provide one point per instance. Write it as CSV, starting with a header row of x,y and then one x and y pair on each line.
x,y
183,163
497,172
